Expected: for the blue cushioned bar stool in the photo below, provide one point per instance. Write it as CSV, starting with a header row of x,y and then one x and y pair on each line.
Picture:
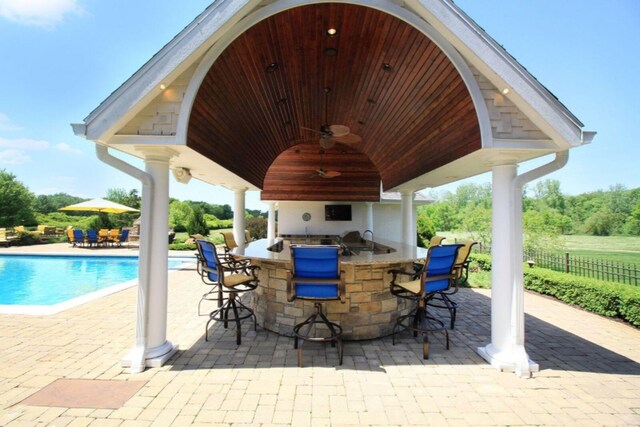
x,y
234,280
316,276
437,275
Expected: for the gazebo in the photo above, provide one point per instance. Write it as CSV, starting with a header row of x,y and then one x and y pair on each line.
x,y
415,93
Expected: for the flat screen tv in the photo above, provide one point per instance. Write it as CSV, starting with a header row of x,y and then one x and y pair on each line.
x,y
337,212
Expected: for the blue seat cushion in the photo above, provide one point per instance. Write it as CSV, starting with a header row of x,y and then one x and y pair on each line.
x,y
320,291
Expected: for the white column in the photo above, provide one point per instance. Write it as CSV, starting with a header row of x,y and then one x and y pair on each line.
x,y
238,215
406,211
271,223
152,295
503,351
370,216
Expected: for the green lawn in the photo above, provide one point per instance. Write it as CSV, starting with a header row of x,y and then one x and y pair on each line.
x,y
612,248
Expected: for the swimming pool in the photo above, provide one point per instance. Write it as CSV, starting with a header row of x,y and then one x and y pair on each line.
x,y
38,281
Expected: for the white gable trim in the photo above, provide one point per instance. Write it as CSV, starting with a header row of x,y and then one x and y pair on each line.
x,y
173,59
533,99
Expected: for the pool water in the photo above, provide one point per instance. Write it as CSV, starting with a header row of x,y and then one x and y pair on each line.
x,y
49,280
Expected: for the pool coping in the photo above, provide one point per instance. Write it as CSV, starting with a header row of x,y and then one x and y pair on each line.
x,y
47,310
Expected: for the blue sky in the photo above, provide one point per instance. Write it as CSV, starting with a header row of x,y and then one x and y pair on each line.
x,y
60,58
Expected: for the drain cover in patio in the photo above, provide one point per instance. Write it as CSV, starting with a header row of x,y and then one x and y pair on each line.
x,y
77,393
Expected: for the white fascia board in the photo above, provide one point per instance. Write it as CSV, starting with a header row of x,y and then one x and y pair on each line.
x,y
533,99
141,140
173,59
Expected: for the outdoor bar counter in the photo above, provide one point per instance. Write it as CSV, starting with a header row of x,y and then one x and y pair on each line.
x,y
369,310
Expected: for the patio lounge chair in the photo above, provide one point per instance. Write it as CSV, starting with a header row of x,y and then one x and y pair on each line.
x,y
92,238
113,235
3,237
438,275
122,237
103,236
441,299
78,238
316,276
232,281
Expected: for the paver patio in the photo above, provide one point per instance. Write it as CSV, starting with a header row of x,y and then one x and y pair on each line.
x,y
589,370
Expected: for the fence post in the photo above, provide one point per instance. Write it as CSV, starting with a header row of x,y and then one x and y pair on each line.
x,y
566,262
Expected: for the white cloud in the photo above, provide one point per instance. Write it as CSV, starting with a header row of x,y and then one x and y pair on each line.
x,y
38,13
5,123
14,151
67,148
13,157
24,144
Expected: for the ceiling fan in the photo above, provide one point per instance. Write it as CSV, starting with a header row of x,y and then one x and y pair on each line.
x,y
323,173
330,134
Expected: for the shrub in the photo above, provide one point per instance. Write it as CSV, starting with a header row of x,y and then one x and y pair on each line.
x,y
27,238
483,260
182,246
196,223
598,296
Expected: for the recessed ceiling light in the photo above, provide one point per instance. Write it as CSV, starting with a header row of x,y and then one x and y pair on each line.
x,y
387,67
360,122
272,67
282,100
332,32
371,101
505,90
330,51
163,86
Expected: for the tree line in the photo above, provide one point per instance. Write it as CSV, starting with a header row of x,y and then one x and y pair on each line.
x,y
547,213
19,206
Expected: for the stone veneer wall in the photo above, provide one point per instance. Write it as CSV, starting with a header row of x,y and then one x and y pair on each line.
x,y
369,311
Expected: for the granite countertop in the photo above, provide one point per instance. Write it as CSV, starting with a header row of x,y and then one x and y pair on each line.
x,y
403,253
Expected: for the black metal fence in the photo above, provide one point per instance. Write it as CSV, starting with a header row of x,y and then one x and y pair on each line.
x,y
611,271
602,269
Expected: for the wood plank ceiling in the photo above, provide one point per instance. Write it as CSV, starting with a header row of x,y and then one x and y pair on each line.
x,y
388,83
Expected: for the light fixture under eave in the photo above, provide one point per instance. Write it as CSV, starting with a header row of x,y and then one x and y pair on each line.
x,y
163,86
332,32
272,67
387,67
505,91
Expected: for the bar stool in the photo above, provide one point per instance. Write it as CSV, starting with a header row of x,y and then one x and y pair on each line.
x,y
316,276
234,280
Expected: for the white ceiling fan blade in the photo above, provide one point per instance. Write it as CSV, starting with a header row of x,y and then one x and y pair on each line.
x,y
327,143
339,130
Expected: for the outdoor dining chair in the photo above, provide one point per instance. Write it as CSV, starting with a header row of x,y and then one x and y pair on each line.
x,y
442,298
316,276
234,282
437,275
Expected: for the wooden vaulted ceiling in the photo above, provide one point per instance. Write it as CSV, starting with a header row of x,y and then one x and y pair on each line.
x,y
388,83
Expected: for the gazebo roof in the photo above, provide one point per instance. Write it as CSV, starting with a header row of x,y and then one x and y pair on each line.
x,y
432,96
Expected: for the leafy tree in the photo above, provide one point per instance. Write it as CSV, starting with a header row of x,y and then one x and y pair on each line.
x,y
548,194
197,223
222,211
120,195
179,214
426,229
16,201
476,220
633,221
257,226
48,203
601,223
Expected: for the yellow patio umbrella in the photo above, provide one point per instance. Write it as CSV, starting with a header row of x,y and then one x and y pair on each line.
x,y
99,205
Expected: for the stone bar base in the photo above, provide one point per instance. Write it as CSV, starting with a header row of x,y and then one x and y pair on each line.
x,y
370,310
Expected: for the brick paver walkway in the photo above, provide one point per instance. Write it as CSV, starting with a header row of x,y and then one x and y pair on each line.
x,y
590,371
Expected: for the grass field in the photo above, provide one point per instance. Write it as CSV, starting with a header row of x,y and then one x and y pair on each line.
x,y
611,248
